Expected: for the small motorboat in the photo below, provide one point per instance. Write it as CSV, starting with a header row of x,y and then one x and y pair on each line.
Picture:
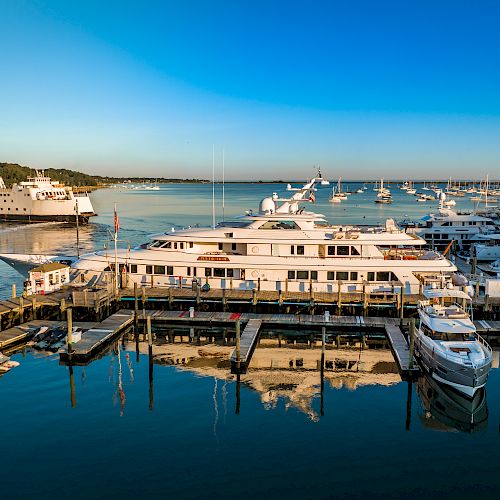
x,y
447,343
6,364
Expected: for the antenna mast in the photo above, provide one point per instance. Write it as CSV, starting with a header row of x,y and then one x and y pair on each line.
x,y
213,186
223,192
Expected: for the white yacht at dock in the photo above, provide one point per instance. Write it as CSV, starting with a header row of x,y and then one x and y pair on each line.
x,y
281,247
40,199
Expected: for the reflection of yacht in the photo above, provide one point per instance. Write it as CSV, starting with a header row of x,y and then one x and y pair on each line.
x,y
282,247
41,199
445,409
448,345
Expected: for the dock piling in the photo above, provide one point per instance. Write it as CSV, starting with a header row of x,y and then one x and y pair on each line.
x,y
69,316
238,340
412,342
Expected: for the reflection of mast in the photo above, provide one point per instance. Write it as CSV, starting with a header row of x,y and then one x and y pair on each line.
x,y
121,392
216,410
72,386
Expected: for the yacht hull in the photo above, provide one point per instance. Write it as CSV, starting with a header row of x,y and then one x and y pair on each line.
x,y
463,378
82,218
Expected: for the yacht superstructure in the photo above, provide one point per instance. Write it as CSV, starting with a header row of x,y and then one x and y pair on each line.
x,y
40,199
281,247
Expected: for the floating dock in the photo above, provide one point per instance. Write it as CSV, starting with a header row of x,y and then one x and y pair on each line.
x,y
96,338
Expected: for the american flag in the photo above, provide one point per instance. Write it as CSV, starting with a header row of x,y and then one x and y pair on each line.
x,y
312,197
117,222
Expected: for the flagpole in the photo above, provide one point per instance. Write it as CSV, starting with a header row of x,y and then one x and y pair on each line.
x,y
223,179
213,186
116,253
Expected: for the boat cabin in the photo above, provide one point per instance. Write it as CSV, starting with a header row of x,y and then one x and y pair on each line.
x,y
47,278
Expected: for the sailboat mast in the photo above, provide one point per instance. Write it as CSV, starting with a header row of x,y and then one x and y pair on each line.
x,y
213,186
223,179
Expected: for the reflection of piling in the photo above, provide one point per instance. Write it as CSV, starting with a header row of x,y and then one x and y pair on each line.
x,y
237,410
408,405
322,369
72,386
150,352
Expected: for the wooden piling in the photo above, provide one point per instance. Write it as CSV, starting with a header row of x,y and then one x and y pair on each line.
x,y
402,303
136,309
238,345
69,316
412,342
365,299
339,299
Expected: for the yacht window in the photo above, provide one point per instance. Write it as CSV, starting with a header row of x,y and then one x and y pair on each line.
x,y
331,250
300,249
170,270
383,276
279,224
167,244
342,250
228,235
292,250
291,274
175,245
233,247
221,246
191,244
445,237
321,223
437,236
342,275
330,275
314,275
181,246
159,269
354,251
133,268
229,273
155,244
219,272
188,271
354,276
149,269
194,271
370,276
208,271
302,275
235,223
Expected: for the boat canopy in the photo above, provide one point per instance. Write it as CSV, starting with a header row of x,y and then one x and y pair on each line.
x,y
434,293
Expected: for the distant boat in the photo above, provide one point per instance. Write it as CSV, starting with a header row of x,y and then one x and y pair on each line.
x,y
153,188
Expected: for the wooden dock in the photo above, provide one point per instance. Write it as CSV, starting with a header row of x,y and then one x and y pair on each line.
x,y
97,337
399,346
23,333
247,346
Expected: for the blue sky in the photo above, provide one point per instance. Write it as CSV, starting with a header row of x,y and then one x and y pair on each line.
x,y
363,88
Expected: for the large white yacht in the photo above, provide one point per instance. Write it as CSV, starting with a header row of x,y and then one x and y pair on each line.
x,y
40,199
441,228
280,247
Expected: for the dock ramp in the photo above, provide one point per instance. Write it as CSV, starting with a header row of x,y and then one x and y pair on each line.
x,y
248,341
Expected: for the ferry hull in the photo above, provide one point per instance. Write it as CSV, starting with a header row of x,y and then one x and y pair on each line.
x,y
28,219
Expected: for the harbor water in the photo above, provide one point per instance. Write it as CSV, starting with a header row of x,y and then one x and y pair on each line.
x,y
188,429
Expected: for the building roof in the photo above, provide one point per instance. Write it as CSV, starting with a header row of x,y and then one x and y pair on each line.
x,y
49,267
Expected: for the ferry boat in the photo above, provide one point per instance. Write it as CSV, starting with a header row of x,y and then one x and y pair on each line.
x,y
448,345
280,247
40,199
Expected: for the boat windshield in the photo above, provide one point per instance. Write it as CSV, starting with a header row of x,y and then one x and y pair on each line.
x,y
446,336
235,223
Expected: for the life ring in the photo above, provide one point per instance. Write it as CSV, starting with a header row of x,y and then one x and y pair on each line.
x,y
255,249
255,273
204,307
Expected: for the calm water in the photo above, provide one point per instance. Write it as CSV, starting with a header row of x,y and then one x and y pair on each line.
x,y
189,442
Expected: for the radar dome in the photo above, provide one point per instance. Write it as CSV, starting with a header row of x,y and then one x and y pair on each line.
x,y
267,206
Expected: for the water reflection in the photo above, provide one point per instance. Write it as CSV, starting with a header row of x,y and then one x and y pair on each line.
x,y
296,377
49,238
445,409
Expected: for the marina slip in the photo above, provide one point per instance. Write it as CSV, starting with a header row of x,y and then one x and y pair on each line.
x,y
297,318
